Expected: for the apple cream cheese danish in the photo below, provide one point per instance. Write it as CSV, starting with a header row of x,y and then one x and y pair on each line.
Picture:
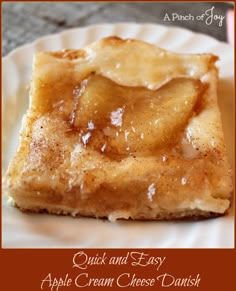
x,y
122,129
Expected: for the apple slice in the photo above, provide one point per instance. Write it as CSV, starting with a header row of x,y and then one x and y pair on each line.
x,y
133,119
96,98
153,121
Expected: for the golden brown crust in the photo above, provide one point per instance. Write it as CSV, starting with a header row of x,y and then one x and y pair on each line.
x,y
68,54
184,215
55,170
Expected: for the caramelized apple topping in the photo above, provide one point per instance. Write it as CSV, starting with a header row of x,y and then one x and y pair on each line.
x,y
124,120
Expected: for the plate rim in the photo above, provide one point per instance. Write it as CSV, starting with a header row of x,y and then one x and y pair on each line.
x,y
100,25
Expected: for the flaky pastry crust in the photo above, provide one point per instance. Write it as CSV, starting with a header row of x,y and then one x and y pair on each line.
x,y
58,170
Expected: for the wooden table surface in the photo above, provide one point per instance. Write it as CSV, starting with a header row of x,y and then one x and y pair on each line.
x,y
25,22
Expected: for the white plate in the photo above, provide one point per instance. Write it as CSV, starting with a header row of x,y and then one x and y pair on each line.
x,y
44,231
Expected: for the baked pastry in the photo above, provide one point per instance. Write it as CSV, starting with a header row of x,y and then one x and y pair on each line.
x,y
122,129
